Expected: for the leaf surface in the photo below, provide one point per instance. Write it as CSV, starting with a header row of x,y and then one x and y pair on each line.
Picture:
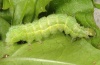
x,y
56,50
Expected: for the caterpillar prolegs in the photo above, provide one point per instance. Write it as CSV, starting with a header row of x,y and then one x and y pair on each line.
x,y
45,26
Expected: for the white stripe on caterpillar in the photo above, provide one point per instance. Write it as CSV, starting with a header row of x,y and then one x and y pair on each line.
x,y
46,26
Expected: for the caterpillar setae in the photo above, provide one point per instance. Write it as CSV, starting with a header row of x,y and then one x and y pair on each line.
x,y
45,26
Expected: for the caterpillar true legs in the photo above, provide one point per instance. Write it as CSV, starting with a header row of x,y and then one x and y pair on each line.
x,y
46,26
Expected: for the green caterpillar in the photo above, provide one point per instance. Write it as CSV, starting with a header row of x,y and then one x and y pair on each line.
x,y
45,26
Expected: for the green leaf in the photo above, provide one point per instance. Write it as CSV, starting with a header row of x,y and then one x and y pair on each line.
x,y
71,7
87,20
6,4
82,10
0,4
76,8
40,7
96,3
24,11
21,8
5,14
56,50
4,26
2,49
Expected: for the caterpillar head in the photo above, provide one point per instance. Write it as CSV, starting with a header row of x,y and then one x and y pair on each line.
x,y
90,32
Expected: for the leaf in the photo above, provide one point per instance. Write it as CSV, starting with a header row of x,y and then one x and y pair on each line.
x,y
34,61
82,10
70,7
6,4
2,48
5,14
0,4
3,28
96,3
56,50
76,8
89,22
24,11
40,7
21,8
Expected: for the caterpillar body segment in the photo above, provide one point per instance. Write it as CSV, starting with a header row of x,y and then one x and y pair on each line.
x,y
45,26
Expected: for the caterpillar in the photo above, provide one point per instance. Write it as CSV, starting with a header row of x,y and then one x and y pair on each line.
x,y
45,26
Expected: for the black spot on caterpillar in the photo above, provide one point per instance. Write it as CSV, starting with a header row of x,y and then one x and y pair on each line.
x,y
46,26
21,42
